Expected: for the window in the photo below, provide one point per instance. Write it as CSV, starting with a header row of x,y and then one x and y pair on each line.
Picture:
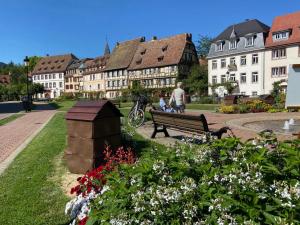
x,y
54,84
255,59
254,93
254,77
223,63
214,79
214,64
278,71
232,44
243,60
50,85
67,86
108,83
71,86
60,84
60,76
249,41
99,87
278,53
232,61
160,59
46,85
219,46
280,36
223,78
243,78
243,93
42,77
232,77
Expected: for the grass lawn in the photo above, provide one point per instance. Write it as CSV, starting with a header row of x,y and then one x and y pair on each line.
x,y
30,191
29,194
10,118
211,107
63,105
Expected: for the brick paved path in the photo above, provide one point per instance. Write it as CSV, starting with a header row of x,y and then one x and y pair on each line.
x,y
218,120
4,115
15,133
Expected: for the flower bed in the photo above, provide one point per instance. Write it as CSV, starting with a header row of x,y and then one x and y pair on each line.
x,y
225,182
251,106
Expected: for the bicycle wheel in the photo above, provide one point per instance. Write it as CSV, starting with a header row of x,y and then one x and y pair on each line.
x,y
136,119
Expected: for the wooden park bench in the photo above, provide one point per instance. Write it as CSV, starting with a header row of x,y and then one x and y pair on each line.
x,y
188,123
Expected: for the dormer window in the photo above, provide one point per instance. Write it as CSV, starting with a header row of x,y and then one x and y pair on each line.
x,y
139,61
160,59
233,44
249,41
143,52
281,36
164,48
220,46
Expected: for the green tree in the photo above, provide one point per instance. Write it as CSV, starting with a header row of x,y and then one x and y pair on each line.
x,y
33,60
197,81
37,88
203,45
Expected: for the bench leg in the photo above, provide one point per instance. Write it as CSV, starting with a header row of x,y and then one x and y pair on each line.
x,y
165,131
154,132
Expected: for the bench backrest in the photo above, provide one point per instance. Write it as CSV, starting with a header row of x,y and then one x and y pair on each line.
x,y
184,122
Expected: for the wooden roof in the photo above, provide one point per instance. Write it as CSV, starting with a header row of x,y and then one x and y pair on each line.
x,y
53,64
163,52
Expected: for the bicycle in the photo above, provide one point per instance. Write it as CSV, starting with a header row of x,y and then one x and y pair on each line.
x,y
136,116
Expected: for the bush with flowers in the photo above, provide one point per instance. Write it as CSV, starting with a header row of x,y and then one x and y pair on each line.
x,y
224,182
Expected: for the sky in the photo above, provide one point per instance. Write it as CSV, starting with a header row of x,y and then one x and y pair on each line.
x,y
81,27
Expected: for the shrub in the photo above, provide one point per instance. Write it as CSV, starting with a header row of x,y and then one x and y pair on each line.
x,y
228,109
227,182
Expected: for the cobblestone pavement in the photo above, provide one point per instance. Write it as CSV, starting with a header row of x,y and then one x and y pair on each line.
x,y
218,120
14,134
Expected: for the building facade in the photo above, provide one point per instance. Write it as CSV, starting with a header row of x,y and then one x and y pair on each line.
x,y
94,76
74,76
116,73
50,72
238,54
158,63
283,48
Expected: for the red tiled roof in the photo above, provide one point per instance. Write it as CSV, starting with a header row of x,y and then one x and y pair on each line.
x,y
53,64
157,53
5,79
283,23
98,64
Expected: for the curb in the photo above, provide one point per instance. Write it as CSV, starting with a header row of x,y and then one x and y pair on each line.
x,y
4,165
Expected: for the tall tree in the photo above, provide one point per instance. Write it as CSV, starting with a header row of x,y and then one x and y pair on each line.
x,y
197,81
203,45
33,60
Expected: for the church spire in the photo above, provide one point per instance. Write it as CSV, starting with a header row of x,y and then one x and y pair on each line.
x,y
106,49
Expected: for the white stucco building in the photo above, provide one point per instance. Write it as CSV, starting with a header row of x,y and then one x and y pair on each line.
x,y
283,48
238,54
50,72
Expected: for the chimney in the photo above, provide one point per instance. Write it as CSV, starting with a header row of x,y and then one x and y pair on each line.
x,y
189,37
154,38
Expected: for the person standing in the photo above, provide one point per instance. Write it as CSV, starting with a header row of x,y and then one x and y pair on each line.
x,y
178,97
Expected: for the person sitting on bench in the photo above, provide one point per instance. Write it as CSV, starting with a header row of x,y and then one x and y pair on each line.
x,y
162,104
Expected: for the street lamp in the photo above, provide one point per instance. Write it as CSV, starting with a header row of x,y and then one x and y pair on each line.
x,y
26,62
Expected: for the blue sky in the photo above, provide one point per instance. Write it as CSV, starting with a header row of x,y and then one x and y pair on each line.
x,y
40,27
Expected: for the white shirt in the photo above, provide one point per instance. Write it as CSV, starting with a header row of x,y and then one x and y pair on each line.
x,y
178,96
